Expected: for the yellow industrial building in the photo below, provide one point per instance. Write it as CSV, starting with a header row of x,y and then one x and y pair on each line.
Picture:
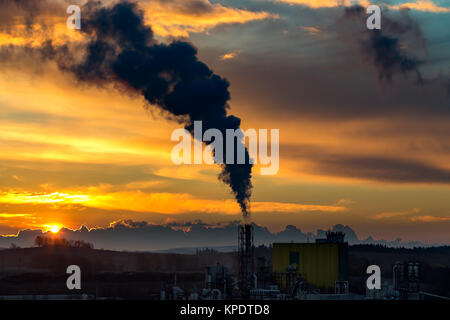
x,y
321,264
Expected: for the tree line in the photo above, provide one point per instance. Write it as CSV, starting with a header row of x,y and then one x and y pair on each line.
x,y
43,241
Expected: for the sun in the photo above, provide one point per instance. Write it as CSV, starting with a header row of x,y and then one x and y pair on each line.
x,y
54,228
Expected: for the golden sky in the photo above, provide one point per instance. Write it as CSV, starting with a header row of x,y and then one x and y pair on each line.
x,y
77,155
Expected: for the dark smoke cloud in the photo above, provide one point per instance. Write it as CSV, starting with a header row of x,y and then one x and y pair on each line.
x,y
374,168
384,169
121,50
383,48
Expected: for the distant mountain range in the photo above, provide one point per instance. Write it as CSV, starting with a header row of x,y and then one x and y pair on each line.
x,y
142,236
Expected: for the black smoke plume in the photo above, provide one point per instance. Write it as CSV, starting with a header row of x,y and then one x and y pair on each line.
x,y
384,47
122,50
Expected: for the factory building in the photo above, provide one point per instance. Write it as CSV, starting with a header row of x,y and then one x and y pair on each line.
x,y
322,265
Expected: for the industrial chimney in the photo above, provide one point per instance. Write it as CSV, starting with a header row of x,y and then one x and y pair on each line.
x,y
246,255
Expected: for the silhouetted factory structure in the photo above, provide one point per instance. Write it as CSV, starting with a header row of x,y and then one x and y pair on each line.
x,y
323,264
306,271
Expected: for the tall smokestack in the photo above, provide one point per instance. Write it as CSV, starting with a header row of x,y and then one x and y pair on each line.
x,y
246,259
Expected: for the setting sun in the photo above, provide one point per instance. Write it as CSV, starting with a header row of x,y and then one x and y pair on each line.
x,y
53,228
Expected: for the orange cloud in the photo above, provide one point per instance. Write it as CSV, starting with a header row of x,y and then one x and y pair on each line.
x,y
312,31
419,5
429,219
19,221
388,215
36,198
180,18
52,120
188,172
317,3
175,18
229,55
176,203
22,35
281,207
160,202
14,215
